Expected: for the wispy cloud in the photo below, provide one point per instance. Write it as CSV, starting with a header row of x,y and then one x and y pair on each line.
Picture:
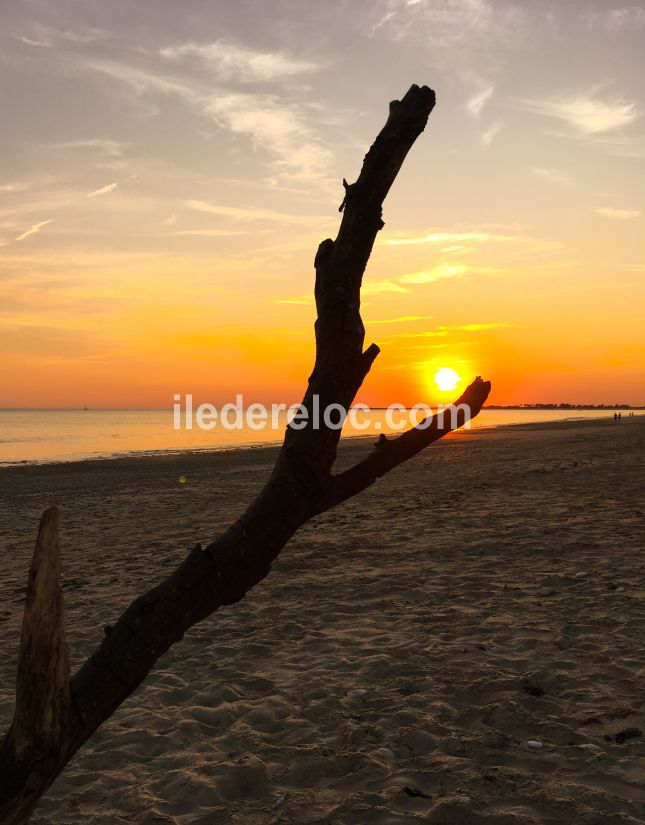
x,y
208,233
382,288
437,273
617,19
42,36
449,237
485,326
299,300
276,124
509,245
403,319
443,330
491,133
230,60
476,103
142,80
277,127
103,146
587,114
33,230
104,190
619,214
247,213
446,270
452,23
553,176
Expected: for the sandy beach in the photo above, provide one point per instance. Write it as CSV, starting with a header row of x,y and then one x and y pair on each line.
x,y
460,645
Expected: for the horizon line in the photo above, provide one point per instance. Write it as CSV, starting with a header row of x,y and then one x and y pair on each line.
x,y
519,406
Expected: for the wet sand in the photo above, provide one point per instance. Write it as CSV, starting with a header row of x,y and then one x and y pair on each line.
x,y
462,644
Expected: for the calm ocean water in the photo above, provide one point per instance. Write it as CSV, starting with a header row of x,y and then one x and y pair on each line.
x,y
36,436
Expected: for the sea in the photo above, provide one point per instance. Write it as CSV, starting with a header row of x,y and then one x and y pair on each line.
x,y
44,436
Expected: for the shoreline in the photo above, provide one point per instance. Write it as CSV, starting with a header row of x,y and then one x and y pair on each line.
x,y
345,443
399,662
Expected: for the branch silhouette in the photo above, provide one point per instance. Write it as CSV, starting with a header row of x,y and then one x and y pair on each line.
x,y
54,715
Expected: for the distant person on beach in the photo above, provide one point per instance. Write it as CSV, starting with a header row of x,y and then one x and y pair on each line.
x,y
615,416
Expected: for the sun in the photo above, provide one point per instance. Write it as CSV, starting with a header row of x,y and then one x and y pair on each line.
x,y
446,379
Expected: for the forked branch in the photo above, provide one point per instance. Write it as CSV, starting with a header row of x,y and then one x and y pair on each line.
x,y
54,716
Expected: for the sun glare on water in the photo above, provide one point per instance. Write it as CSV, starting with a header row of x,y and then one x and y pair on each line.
x,y
446,379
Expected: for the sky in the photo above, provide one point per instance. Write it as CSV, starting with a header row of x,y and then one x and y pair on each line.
x,y
167,171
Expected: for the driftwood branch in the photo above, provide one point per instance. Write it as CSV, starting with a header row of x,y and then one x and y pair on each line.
x,y
301,485
39,727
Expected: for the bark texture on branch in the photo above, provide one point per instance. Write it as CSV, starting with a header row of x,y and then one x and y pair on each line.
x,y
301,485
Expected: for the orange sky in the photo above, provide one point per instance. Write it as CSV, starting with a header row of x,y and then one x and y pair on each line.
x,y
167,180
